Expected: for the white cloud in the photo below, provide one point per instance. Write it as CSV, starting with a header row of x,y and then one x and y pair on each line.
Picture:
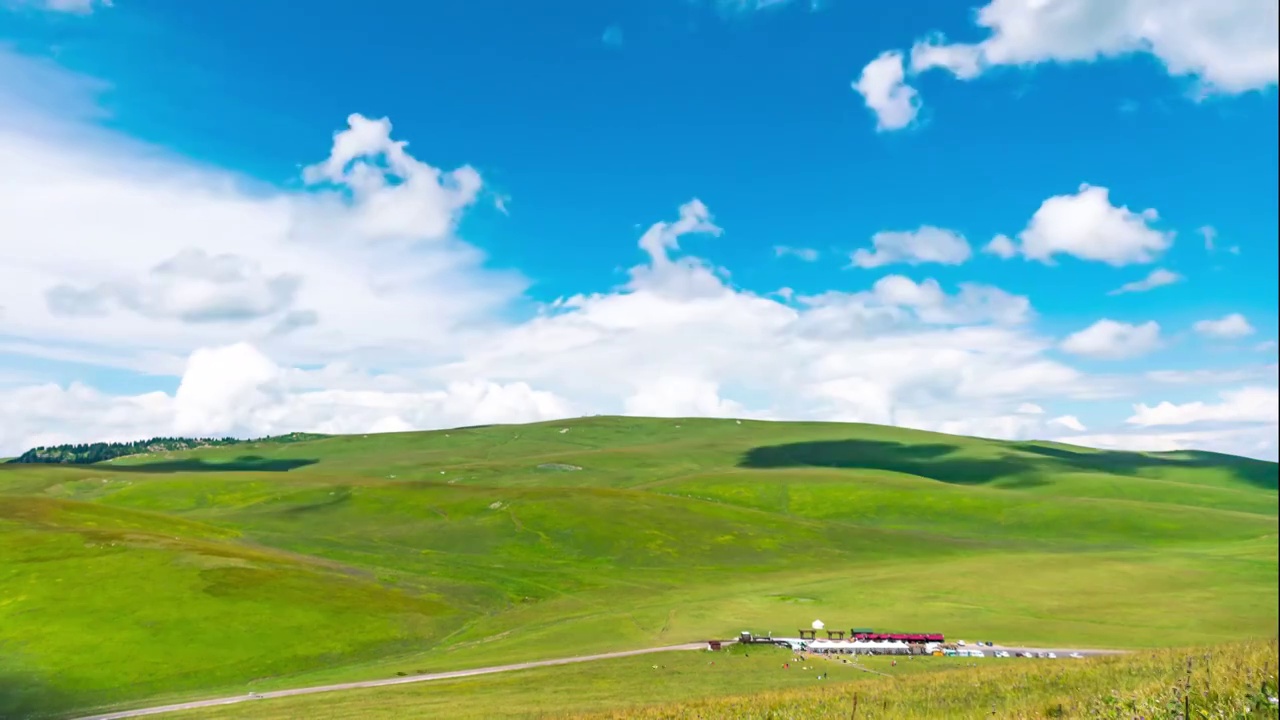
x,y
183,257
803,253
1001,246
392,288
1112,340
1156,278
408,329
237,390
1228,46
192,286
676,396
963,61
1228,327
1087,226
1070,422
1246,405
1030,409
1204,377
883,88
1257,441
928,244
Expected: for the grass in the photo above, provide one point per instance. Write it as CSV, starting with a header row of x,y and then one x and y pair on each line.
x,y
271,564
752,683
1230,681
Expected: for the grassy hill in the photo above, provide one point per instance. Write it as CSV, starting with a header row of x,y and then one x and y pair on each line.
x,y
274,564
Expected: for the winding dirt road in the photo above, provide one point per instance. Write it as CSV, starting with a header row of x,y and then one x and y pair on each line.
x,y
248,697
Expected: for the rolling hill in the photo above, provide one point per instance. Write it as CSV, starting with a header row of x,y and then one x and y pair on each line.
x,y
273,564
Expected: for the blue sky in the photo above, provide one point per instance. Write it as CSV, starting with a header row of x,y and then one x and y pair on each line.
x,y
590,121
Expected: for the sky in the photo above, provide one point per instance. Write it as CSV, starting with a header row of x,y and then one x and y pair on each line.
x,y
1025,219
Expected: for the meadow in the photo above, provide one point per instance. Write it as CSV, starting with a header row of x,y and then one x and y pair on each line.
x,y
1234,680
152,578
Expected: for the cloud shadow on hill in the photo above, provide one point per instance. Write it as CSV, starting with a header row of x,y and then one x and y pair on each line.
x,y
244,463
929,460
27,695
1022,462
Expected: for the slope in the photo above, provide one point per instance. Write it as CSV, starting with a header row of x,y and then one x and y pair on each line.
x,y
275,564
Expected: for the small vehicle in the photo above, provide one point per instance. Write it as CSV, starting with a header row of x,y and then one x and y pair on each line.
x,y
1076,655
960,643
1052,656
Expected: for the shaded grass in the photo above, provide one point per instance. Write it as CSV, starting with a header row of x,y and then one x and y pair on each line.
x,y
972,464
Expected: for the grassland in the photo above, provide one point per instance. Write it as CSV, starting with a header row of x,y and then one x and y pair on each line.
x,y
750,683
267,565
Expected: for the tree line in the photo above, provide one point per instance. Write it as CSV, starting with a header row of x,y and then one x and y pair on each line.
x,y
89,453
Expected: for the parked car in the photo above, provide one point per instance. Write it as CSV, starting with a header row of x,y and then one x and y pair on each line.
x,y
1076,655
1052,656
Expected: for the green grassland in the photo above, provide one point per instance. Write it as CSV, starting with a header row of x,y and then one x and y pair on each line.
x,y
1228,681
277,564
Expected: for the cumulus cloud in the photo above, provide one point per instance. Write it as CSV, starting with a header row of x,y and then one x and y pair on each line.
x,y
963,61
1070,422
928,244
1111,340
239,391
1214,376
1156,278
1226,47
1227,327
394,195
407,326
1087,226
883,88
1001,246
192,286
675,396
1257,441
1248,404
676,338
182,257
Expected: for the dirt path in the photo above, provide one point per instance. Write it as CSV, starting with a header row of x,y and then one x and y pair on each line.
x,y
140,712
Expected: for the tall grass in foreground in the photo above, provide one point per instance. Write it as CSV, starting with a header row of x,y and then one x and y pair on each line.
x,y
1229,681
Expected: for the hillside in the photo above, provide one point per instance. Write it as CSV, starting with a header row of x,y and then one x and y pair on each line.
x,y
275,564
